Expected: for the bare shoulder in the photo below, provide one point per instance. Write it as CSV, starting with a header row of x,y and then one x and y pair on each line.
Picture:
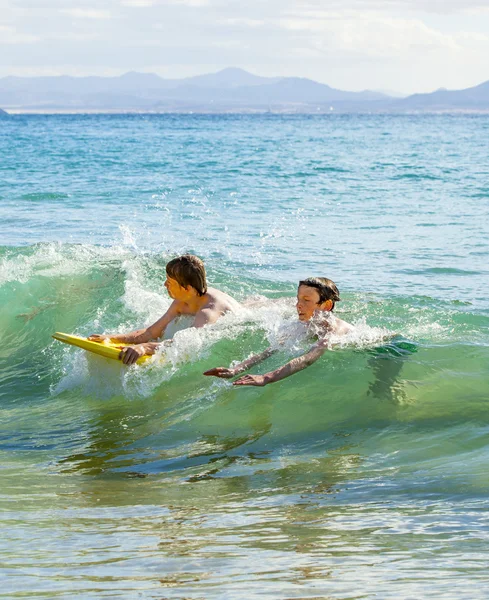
x,y
176,308
217,304
330,324
341,327
220,301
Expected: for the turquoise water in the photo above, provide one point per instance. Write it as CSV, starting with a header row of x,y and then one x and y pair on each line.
x,y
364,476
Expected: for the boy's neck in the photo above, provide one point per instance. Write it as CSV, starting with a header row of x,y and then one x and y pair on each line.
x,y
195,302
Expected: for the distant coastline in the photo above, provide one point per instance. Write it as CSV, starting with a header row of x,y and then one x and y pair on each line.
x,y
230,91
257,112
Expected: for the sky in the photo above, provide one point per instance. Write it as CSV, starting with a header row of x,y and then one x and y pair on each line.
x,y
403,46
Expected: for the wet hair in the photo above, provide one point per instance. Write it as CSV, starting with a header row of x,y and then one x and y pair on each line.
x,y
188,270
326,289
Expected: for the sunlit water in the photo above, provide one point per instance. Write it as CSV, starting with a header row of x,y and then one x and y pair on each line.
x,y
364,476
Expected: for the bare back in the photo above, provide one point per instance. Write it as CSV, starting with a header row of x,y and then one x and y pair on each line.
x,y
213,305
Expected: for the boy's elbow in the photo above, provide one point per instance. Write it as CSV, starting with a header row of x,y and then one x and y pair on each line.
x,y
311,358
151,335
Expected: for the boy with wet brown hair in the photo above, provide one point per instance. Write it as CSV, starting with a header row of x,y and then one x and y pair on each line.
x,y
186,283
316,298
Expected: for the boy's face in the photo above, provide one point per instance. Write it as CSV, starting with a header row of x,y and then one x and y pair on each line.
x,y
308,302
174,289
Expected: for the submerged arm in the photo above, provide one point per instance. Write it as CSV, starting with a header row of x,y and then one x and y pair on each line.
x,y
293,366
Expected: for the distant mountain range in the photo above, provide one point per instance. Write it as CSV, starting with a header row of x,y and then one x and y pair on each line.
x,y
230,90
474,98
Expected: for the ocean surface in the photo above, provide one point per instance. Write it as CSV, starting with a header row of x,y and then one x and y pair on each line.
x,y
364,476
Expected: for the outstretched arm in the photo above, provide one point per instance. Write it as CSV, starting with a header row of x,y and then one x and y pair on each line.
x,y
141,336
296,364
226,373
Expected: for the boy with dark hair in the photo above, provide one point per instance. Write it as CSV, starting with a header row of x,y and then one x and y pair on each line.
x,y
326,288
186,284
316,297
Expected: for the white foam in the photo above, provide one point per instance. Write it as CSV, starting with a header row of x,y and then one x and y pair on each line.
x,y
148,305
276,319
362,336
56,260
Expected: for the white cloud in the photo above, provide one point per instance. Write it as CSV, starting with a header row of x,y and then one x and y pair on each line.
x,y
192,3
162,3
411,45
368,34
439,7
10,36
72,36
242,21
138,3
83,13
477,10
472,39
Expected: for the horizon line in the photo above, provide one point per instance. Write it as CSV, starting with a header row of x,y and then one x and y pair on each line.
x,y
392,93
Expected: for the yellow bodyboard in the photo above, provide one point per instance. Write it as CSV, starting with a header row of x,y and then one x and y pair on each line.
x,y
107,349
